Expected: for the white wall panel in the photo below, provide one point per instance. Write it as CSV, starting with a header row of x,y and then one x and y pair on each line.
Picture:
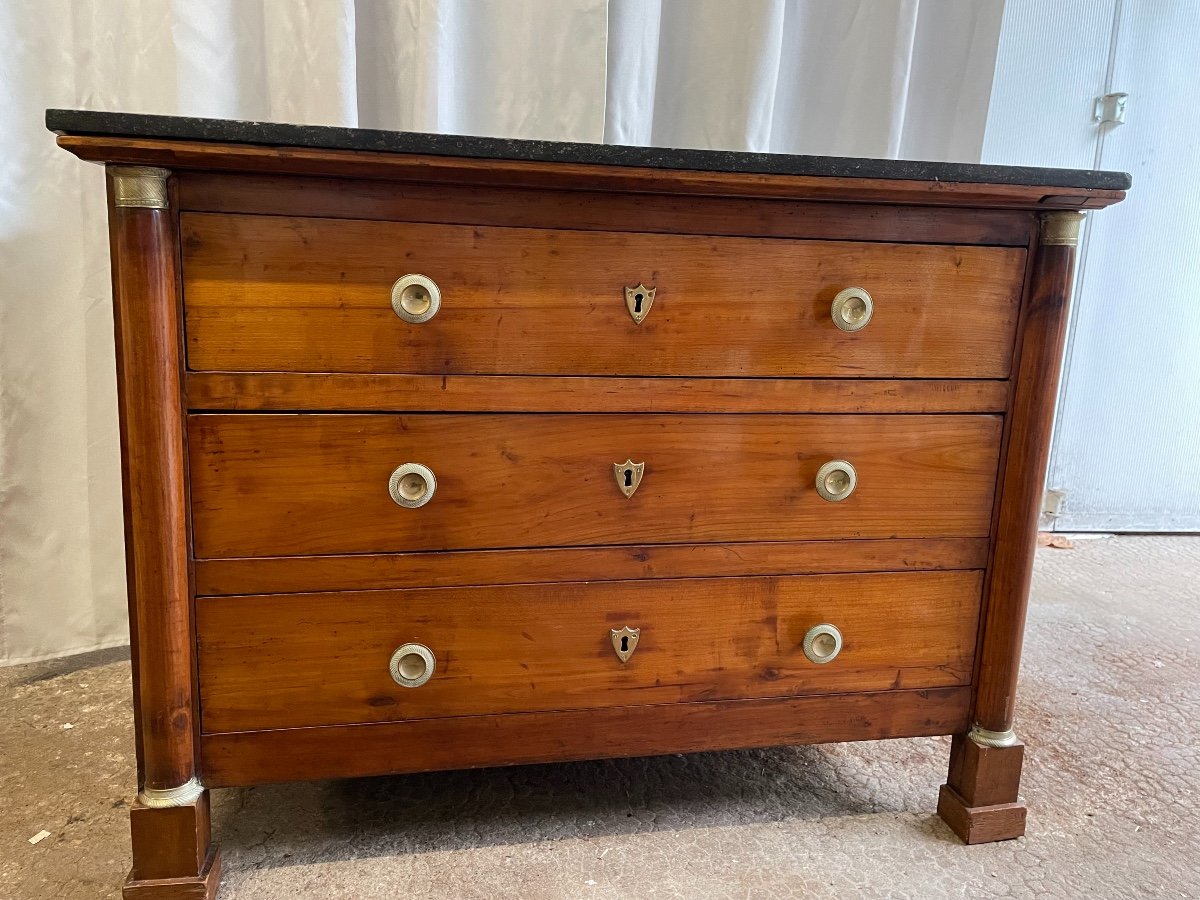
x,y
1126,450
1050,65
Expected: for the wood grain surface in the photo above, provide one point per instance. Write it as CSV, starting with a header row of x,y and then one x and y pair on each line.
x,y
264,391
173,855
1023,476
367,571
278,485
146,309
276,293
981,824
349,751
416,167
464,204
321,659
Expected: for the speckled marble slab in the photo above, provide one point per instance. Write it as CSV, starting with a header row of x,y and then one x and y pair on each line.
x,y
325,137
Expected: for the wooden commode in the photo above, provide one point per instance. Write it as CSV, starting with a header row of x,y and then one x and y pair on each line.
x,y
443,452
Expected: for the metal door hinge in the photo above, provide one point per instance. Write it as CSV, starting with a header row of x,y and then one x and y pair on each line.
x,y
1052,502
1110,109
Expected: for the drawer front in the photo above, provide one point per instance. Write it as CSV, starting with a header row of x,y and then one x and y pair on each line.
x,y
323,659
288,485
273,293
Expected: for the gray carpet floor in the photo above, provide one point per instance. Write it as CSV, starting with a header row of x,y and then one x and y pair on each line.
x,y
1108,705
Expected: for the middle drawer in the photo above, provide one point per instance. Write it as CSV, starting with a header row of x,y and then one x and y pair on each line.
x,y
299,484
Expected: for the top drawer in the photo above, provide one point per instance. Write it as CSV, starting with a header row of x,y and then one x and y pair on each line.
x,y
277,293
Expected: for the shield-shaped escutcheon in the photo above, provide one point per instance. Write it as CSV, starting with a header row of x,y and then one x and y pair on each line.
x,y
638,301
628,475
625,641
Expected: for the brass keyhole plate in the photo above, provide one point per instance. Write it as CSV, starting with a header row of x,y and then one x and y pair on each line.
x,y
638,301
628,476
625,641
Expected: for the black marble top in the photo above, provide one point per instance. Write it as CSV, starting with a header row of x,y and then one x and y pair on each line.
x,y
131,125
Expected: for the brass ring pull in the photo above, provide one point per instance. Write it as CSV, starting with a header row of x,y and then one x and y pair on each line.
x,y
412,665
412,485
416,299
836,480
822,643
852,309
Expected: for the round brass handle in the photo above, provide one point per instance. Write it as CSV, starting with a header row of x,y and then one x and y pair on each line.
x,y
852,309
416,299
836,480
412,665
412,485
822,643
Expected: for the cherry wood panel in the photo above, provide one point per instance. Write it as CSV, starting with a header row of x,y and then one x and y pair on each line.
x,y
173,855
980,824
1023,477
1006,430
146,310
280,485
346,198
350,751
980,800
279,293
318,659
439,169
985,776
203,886
259,391
171,843
366,571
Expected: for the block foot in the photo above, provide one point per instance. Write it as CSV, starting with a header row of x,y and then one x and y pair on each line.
x,y
980,824
173,856
198,887
979,801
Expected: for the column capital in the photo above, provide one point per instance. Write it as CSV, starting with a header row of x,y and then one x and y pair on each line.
x,y
139,186
1061,227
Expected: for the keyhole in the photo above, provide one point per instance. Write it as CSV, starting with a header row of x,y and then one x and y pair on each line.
x,y
637,304
625,644
629,478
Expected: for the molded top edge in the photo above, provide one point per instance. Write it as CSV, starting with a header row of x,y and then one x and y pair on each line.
x,y
325,137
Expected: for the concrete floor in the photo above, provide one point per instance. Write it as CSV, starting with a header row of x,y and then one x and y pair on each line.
x,y
1109,704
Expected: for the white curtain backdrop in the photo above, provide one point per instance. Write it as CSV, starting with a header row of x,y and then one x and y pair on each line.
x,y
908,78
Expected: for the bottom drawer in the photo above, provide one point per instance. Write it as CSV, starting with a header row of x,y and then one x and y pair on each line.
x,y
285,661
